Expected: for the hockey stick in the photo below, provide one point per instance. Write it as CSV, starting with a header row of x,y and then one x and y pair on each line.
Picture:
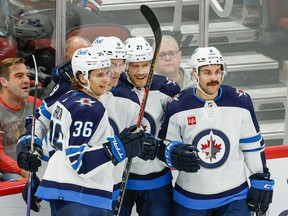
x,y
155,26
32,138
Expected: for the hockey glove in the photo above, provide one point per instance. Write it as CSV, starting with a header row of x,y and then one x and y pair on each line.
x,y
149,148
25,159
63,72
35,201
260,193
182,157
127,144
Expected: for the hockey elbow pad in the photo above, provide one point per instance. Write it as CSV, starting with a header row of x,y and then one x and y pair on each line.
x,y
182,157
260,193
26,159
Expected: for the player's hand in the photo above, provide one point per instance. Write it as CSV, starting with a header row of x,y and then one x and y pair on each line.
x,y
25,159
183,157
260,193
150,147
127,144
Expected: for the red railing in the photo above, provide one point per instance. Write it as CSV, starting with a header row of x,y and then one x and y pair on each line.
x,y
9,188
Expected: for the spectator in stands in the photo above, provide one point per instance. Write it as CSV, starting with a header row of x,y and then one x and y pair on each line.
x,y
63,72
251,13
169,60
74,43
15,105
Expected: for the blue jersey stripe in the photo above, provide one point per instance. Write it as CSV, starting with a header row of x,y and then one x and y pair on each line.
x,y
149,184
254,150
256,138
44,111
201,204
73,196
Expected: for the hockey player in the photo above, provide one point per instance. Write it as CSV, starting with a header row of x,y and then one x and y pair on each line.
x,y
78,178
116,51
149,184
219,122
121,111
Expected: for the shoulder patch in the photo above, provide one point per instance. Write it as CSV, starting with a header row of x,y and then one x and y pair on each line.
x,y
241,92
85,102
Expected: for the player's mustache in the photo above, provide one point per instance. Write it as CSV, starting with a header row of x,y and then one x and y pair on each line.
x,y
213,83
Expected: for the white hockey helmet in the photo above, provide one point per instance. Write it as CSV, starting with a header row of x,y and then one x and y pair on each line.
x,y
112,46
138,50
90,58
207,56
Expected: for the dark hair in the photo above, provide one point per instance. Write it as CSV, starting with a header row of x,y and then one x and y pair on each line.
x,y
76,83
6,63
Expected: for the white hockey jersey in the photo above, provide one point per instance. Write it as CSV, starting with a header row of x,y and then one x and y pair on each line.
x,y
122,114
79,170
43,114
151,174
226,133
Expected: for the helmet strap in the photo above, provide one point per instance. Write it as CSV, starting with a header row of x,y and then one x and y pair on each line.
x,y
87,87
201,89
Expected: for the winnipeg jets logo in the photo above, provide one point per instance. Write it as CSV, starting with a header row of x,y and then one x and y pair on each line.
x,y
148,123
174,98
211,148
214,146
85,102
170,81
241,92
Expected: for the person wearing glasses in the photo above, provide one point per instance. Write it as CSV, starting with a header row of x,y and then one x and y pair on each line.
x,y
219,125
169,62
